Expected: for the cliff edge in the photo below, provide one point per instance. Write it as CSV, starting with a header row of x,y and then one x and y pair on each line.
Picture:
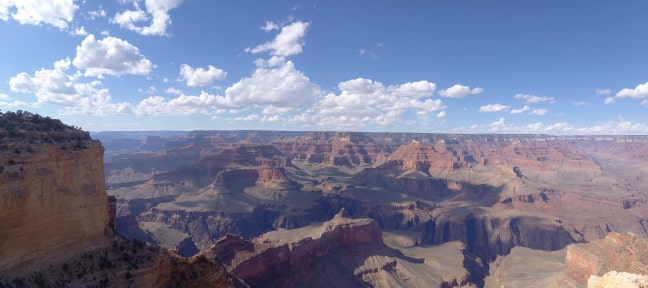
x,y
51,188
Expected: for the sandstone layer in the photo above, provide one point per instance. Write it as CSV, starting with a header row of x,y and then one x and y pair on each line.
x,y
50,199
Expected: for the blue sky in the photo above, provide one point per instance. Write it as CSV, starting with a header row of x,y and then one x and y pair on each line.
x,y
549,67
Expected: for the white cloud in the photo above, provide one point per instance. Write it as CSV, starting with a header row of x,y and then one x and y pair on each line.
x,y
288,42
279,85
460,91
420,89
499,125
532,99
80,31
157,12
172,90
269,26
539,111
644,103
258,118
204,103
521,110
560,127
603,91
364,102
494,108
92,15
112,56
36,12
7,103
59,88
609,100
580,103
619,127
201,76
441,114
641,91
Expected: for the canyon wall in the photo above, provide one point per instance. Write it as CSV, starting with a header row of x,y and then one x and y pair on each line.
x,y
51,196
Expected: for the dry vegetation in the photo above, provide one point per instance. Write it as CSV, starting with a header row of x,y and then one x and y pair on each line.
x,y
98,268
22,128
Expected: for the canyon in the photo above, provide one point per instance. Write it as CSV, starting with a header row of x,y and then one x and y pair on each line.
x,y
489,194
314,209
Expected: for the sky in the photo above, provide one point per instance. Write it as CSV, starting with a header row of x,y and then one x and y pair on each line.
x,y
451,66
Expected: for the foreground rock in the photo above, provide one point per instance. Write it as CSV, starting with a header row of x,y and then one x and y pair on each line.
x,y
579,265
57,222
615,279
342,252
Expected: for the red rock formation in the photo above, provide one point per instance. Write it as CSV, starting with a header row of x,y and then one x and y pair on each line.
x,y
51,199
617,252
274,261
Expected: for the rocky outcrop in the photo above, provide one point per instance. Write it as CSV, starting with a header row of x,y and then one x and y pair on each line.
x,y
116,262
615,279
617,252
594,264
51,199
285,258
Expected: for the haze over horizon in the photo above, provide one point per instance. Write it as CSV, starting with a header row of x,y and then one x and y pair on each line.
x,y
545,67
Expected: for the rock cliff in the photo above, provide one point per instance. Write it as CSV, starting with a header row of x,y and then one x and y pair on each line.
x,y
616,252
50,199
57,224
578,265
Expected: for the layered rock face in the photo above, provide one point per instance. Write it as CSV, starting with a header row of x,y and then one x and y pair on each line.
x,y
490,192
617,252
342,252
51,198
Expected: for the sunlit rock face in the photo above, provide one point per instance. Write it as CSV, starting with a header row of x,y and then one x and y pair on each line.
x,y
51,197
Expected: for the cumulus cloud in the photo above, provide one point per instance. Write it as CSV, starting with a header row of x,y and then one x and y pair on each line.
x,y
258,118
279,86
494,108
521,110
609,100
619,127
460,91
111,56
499,125
7,103
172,90
603,91
80,31
441,114
156,13
644,103
201,76
641,91
539,111
269,26
288,42
204,103
55,86
532,99
36,12
362,102
419,89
